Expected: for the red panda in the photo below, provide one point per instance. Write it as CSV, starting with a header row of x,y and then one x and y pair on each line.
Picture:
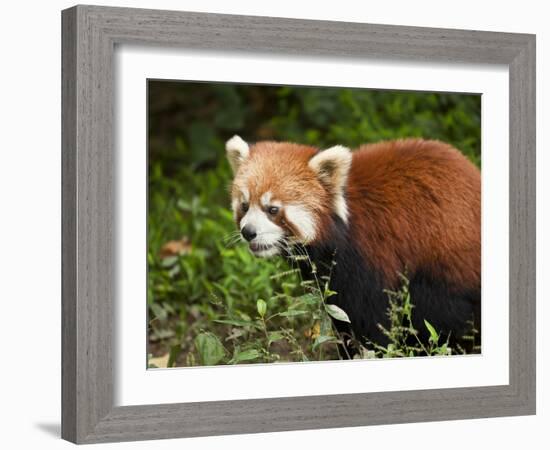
x,y
409,206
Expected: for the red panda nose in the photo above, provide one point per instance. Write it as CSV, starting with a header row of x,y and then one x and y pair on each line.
x,y
248,233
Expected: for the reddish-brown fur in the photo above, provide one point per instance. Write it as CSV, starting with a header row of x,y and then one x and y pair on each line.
x,y
417,203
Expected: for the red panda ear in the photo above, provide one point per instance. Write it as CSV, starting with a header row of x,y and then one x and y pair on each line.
x,y
332,167
237,152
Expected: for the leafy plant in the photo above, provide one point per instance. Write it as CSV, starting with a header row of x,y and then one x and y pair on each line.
x,y
209,348
402,336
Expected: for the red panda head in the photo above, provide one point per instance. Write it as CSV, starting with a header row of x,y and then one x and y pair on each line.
x,y
285,193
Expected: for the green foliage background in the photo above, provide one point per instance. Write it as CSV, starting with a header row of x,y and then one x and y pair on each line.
x,y
188,198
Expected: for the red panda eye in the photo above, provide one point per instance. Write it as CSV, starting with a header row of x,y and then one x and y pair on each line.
x,y
244,206
272,210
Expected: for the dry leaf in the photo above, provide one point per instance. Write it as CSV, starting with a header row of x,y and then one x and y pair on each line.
x,y
313,332
175,248
160,361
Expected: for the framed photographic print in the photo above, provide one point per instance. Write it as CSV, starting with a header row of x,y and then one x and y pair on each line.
x,y
267,229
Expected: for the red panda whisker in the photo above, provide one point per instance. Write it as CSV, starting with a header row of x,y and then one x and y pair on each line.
x,y
267,232
233,243
231,233
293,262
232,239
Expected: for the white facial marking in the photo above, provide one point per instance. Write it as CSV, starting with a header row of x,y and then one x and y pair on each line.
x,y
265,199
303,220
268,234
245,194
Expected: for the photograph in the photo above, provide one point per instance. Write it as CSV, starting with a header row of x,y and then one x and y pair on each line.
x,y
339,215
294,224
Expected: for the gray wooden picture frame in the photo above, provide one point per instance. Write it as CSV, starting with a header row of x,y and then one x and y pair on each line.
x,y
90,34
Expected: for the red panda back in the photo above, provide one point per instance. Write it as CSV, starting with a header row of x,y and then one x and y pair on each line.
x,y
416,204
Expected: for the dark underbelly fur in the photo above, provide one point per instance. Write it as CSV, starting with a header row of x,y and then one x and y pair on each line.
x,y
360,293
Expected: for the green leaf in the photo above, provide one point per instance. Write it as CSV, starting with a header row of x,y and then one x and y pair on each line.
x,y
306,299
158,311
209,348
293,312
337,313
443,350
328,292
326,325
169,261
174,271
261,306
246,355
434,337
273,336
323,340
